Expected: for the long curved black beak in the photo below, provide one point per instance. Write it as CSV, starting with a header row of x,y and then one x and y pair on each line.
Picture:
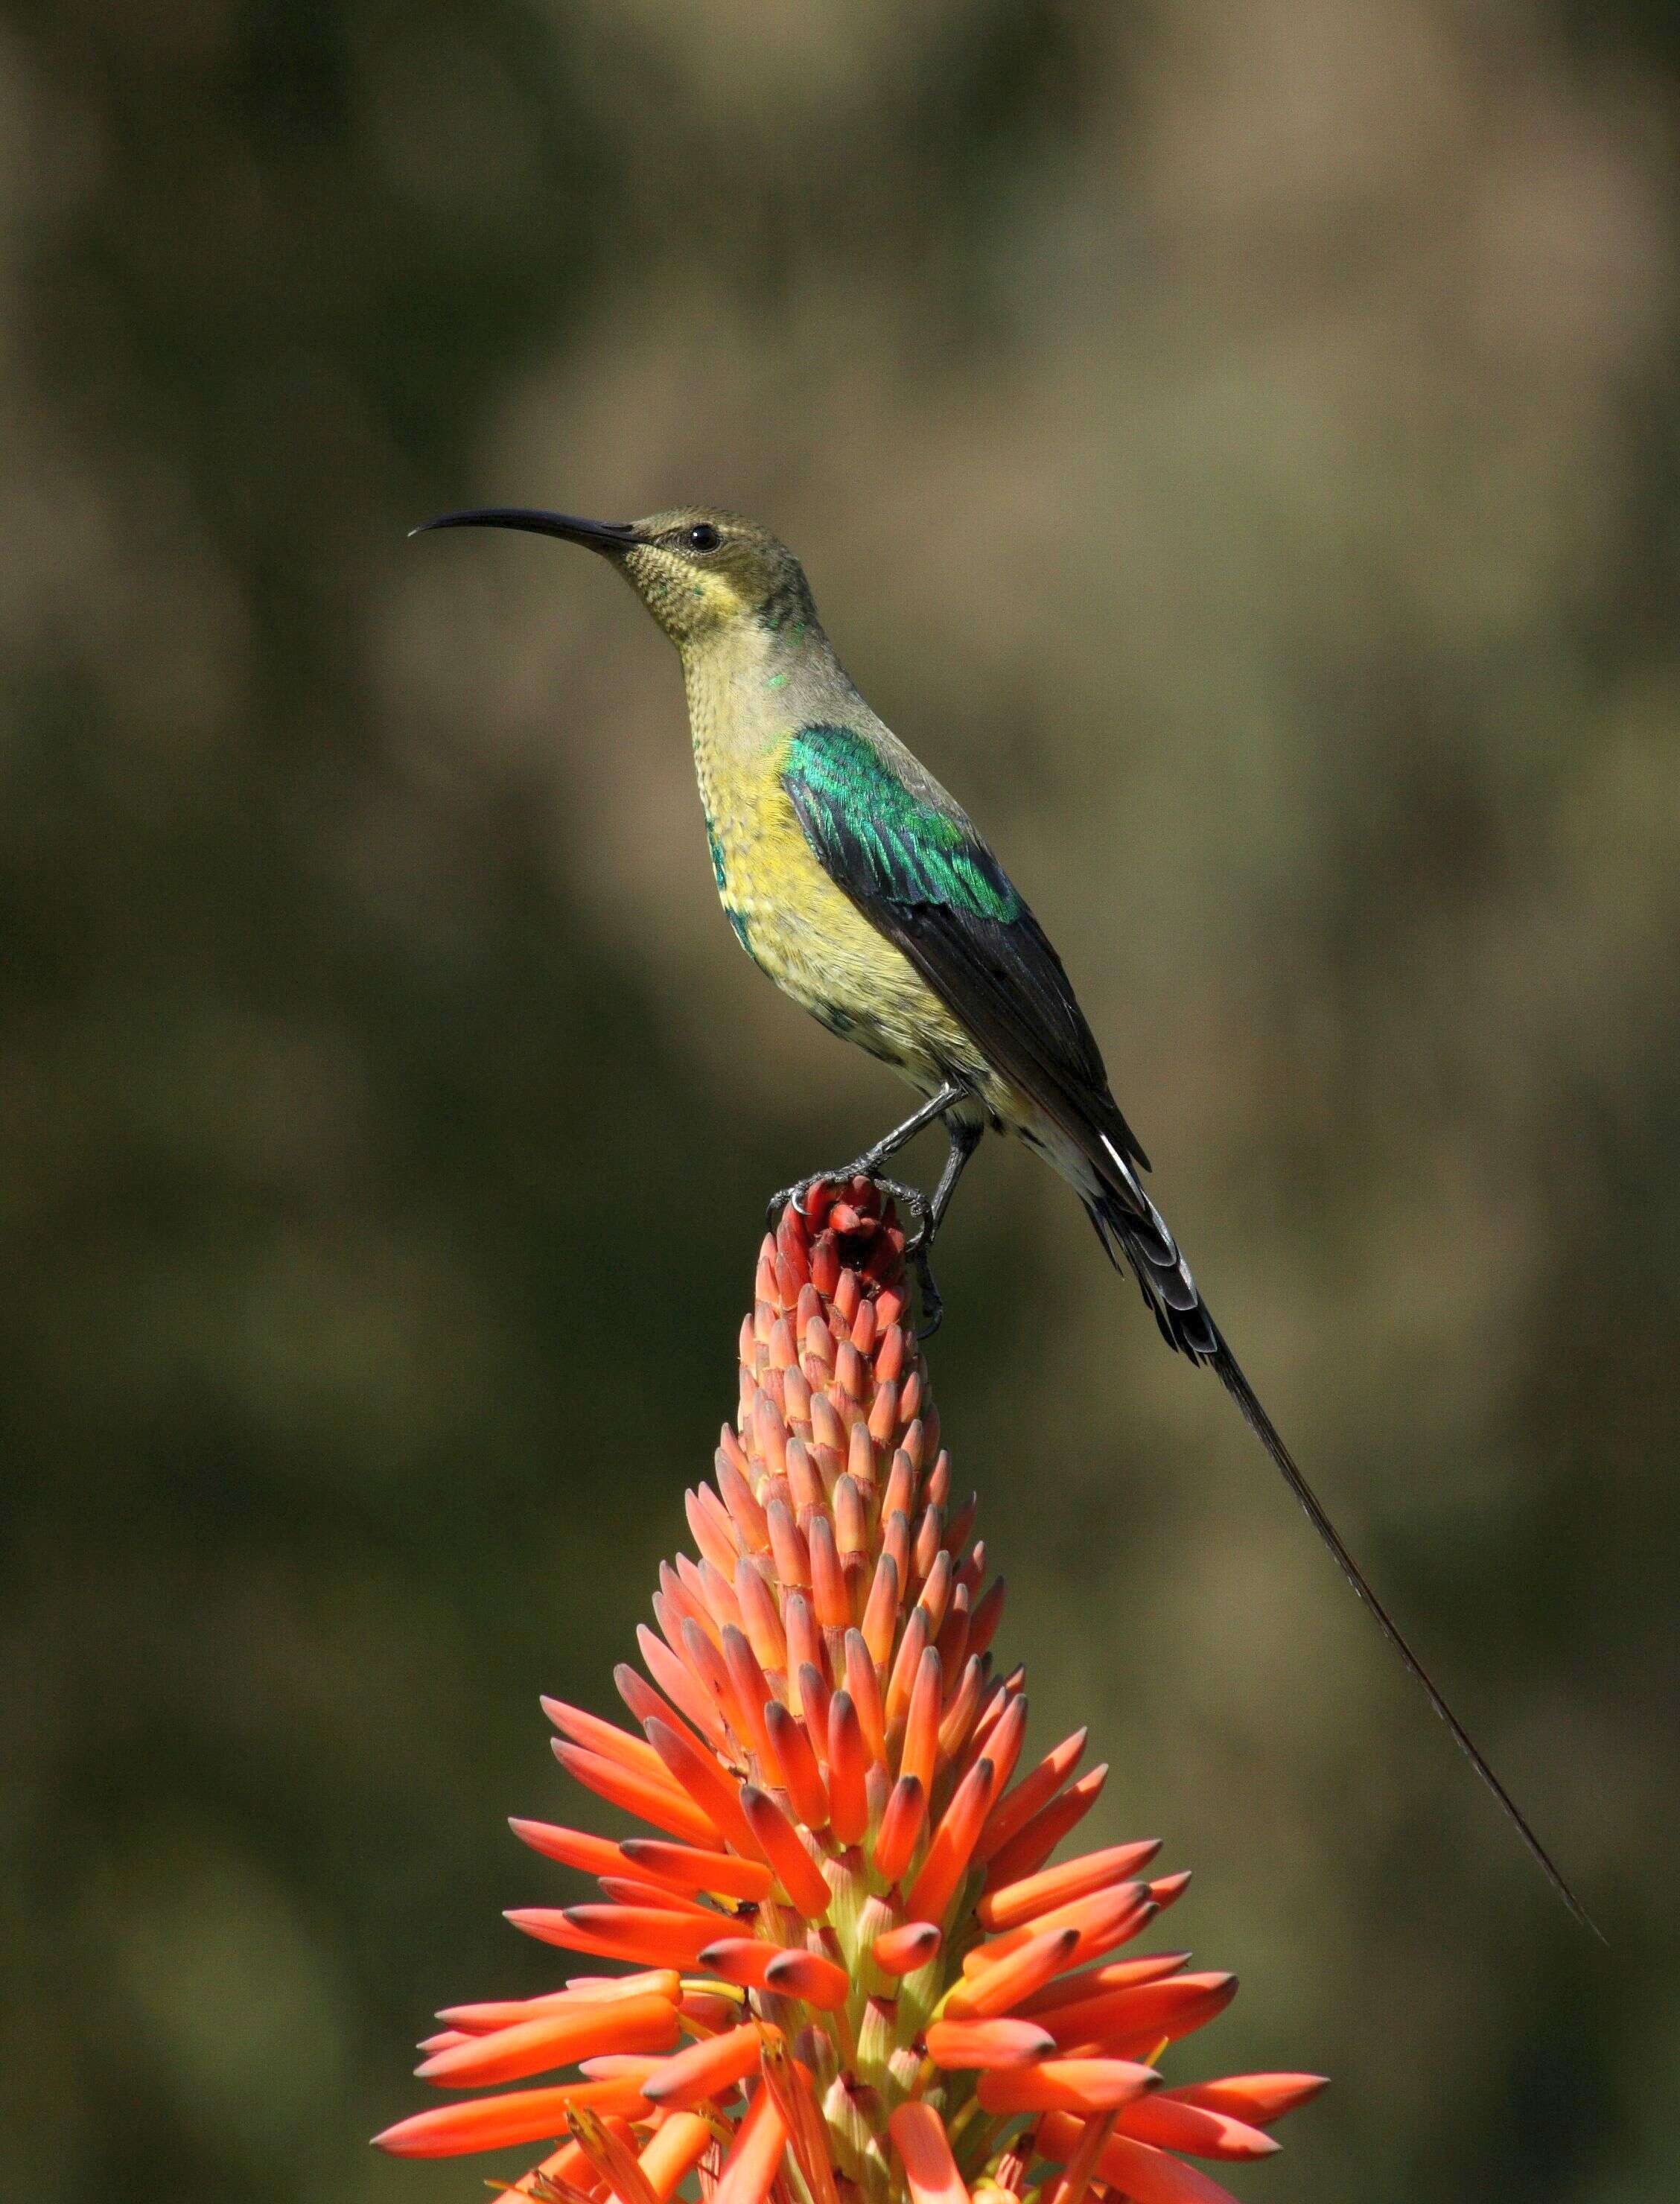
x,y
608,536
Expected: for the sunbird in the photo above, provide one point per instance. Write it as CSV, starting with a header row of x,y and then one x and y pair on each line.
x,y
866,892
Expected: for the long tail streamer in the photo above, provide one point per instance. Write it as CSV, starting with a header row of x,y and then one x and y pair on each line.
x,y
1235,1383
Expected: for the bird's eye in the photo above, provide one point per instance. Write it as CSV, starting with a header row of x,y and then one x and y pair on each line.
x,y
702,536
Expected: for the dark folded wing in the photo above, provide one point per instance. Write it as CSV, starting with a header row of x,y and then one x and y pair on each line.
x,y
918,871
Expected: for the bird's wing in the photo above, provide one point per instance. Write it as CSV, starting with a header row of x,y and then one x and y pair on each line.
x,y
913,864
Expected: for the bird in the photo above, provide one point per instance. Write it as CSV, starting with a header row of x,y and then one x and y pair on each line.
x,y
864,890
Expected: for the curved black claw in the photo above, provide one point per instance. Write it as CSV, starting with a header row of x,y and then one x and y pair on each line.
x,y
793,1197
914,1204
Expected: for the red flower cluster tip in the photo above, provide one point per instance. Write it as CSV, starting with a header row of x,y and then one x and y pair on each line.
x,y
858,1974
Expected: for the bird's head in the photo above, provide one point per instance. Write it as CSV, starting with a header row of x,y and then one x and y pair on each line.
x,y
698,572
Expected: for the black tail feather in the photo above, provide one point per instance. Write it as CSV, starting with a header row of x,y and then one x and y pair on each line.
x,y
1235,1383
1192,1331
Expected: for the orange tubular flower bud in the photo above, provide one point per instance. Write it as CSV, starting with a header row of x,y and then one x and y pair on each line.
x,y
801,1775
851,1531
1001,1739
947,1860
961,1523
717,1591
1066,2085
1177,2126
862,1681
724,1873
929,2169
571,1847
725,1710
1027,1851
714,1533
1104,1919
805,1645
936,1595
750,2170
1148,2014
556,2039
676,1679
848,1766
900,1826
906,1667
674,2150
705,1783
1097,1982
802,1476
744,1960
483,2019
808,1976
662,1803
745,1513
1260,2098
900,1494
761,1618
604,1738
989,2044
778,1840
820,1681
787,1545
1151,2177
928,1538
756,1965
647,1934
632,1890
952,1643
750,1693
1038,1894
920,1755
646,1704
829,1592
707,2069
901,1951
620,2066
958,1718
488,2122
1001,1988
1035,1789
814,1697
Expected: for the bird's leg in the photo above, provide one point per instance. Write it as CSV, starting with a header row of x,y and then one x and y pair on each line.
x,y
868,1166
928,1214
965,1138
871,1160
963,1134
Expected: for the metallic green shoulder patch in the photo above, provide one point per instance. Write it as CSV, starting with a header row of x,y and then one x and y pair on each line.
x,y
878,838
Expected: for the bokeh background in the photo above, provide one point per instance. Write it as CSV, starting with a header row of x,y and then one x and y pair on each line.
x,y
1239,447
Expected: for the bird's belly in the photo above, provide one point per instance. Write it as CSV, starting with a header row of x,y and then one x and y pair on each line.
x,y
820,950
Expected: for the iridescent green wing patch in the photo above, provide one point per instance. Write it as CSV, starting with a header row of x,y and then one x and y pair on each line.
x,y
921,876
879,838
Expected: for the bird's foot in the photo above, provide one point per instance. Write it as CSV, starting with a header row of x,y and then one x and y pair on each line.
x,y
911,1200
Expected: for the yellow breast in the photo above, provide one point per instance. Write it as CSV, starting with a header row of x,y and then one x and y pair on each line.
x,y
812,939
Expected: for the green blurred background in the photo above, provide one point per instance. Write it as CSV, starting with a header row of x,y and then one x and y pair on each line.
x,y
1239,447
